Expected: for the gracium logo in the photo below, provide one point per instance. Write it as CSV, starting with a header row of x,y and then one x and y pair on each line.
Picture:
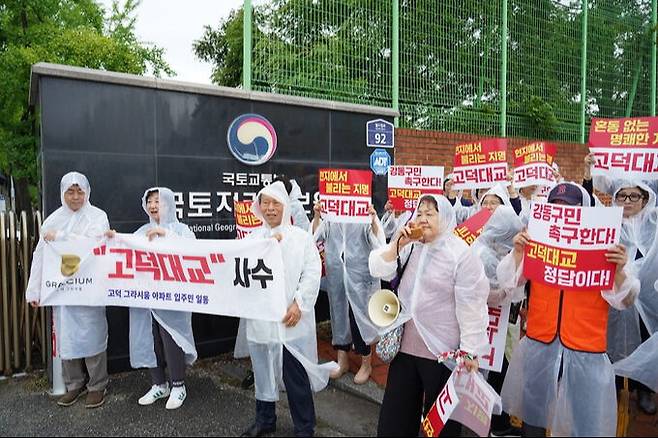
x,y
252,139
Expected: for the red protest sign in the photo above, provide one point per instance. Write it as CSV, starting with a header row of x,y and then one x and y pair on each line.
x,y
440,412
245,220
472,228
568,246
626,147
407,183
532,164
480,164
345,195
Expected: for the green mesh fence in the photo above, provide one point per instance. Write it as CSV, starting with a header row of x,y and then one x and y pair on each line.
x,y
450,60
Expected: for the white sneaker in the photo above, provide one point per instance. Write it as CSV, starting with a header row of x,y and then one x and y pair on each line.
x,y
177,397
155,393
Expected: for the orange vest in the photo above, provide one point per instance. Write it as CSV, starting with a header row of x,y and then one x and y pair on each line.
x,y
580,318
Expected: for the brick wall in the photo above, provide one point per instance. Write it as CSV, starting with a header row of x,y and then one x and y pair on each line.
x,y
438,148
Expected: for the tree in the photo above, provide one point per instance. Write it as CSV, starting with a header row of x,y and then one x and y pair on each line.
x,y
72,32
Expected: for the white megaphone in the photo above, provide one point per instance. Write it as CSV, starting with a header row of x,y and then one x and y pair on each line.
x,y
383,308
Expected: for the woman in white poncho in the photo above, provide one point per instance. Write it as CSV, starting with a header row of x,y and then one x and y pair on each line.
x,y
160,338
492,246
350,286
285,353
81,331
628,328
443,292
560,376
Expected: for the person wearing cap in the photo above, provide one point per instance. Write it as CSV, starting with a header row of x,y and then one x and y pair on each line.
x,y
81,330
285,353
560,377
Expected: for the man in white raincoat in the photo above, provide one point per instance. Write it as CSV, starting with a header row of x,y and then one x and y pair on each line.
x,y
81,331
350,286
285,353
560,376
157,336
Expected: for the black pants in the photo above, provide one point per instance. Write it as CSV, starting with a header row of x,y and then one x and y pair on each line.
x,y
360,346
300,399
413,385
496,380
169,354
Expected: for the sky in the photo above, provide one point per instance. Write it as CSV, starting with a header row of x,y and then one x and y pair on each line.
x,y
174,25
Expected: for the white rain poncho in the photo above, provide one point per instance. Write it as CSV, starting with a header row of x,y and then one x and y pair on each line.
x,y
267,339
641,365
348,280
297,211
464,213
177,324
572,393
392,223
637,235
81,331
443,290
607,185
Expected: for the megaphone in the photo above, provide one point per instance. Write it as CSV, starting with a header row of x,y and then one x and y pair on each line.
x,y
383,308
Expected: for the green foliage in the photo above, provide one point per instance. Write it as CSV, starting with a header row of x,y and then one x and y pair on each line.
x,y
72,32
450,59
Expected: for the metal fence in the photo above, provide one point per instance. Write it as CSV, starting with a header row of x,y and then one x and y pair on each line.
x,y
23,330
525,68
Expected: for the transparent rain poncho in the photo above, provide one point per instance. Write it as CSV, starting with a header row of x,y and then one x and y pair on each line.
x,y
463,213
572,393
81,330
267,339
392,224
177,324
297,211
443,290
348,280
637,235
607,185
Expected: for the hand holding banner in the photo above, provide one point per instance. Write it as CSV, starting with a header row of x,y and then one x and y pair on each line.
x,y
345,195
241,278
480,164
569,244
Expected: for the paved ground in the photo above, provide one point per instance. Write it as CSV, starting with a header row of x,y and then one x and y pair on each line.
x,y
215,406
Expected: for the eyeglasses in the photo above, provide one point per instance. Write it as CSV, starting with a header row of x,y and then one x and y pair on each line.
x,y
633,197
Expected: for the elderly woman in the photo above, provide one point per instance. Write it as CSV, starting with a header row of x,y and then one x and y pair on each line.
x,y
628,328
443,292
81,331
162,337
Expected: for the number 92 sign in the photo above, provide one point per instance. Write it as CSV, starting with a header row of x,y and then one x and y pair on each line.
x,y
380,134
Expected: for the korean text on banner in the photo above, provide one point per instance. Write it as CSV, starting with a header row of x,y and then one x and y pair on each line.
x,y
625,148
440,412
472,228
496,337
480,164
345,195
407,183
241,278
569,244
245,220
533,164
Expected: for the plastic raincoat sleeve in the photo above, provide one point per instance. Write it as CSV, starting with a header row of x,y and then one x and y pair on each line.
x,y
471,293
624,296
376,240
309,283
509,276
33,291
297,211
379,268
320,233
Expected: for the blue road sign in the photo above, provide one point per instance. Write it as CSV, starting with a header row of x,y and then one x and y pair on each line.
x,y
380,134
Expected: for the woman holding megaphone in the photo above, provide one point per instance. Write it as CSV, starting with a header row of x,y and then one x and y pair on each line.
x,y
443,291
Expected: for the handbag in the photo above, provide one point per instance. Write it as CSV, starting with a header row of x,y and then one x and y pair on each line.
x,y
389,344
